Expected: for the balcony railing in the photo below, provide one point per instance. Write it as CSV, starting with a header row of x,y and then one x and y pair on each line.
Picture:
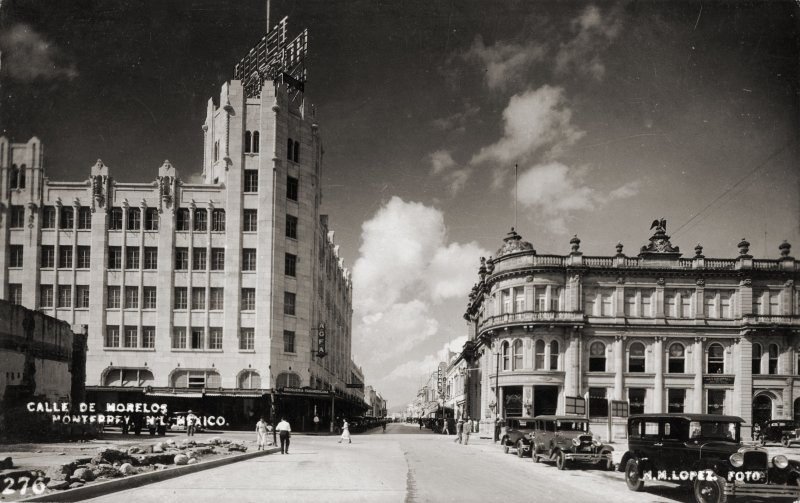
x,y
771,319
599,261
720,263
533,317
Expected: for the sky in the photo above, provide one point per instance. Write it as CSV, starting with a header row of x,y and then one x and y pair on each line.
x,y
616,113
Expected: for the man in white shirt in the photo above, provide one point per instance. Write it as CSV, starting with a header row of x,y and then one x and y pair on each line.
x,y
191,423
284,430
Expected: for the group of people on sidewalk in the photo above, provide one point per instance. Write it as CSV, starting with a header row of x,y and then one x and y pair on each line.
x,y
463,430
284,430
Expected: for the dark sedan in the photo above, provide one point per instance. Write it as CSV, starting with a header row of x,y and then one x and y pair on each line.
x,y
515,436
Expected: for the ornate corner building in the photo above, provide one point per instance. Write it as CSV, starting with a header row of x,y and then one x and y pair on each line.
x,y
661,332
229,288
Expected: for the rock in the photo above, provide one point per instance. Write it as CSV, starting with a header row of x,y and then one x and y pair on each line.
x,y
110,456
39,452
6,464
84,474
76,485
159,447
151,459
191,461
181,459
62,453
224,441
106,471
135,450
57,485
201,443
127,469
82,461
200,451
236,447
214,441
159,466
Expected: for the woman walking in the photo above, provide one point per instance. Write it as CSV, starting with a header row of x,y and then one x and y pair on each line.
x,y
345,433
261,433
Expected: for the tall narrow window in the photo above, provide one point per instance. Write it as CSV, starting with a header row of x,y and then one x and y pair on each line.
x,y
218,221
198,298
46,296
686,304
716,359
148,337
725,304
150,258
151,219
716,401
291,265
179,338
49,217
249,259
246,339
112,337
598,403
288,341
507,305
134,219
518,354
15,293
84,257
541,301
65,257
607,302
84,218
519,300
553,355
16,255
82,296
200,220
291,226
506,356
149,297
773,359
597,357
181,259
647,303
555,293
636,400
538,357
132,257
113,297
199,256
636,357
248,299
256,142
48,256
756,358
131,297
217,259
182,219
67,218
289,300
250,180
296,152
289,148
181,297
292,188
675,400
64,296
677,359
215,338
248,137
774,302
671,304
131,337
17,220
630,303
21,182
250,221
197,338
710,303
216,300
13,177
115,219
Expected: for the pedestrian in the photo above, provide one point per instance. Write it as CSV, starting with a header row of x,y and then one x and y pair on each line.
x,y
285,432
261,433
446,427
459,430
345,433
497,426
420,424
384,426
467,430
316,423
191,423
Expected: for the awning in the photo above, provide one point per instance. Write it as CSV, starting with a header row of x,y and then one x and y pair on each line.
x,y
177,395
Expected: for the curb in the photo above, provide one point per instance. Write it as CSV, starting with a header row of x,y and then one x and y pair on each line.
x,y
122,484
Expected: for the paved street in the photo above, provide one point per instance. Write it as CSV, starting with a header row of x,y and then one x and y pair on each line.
x,y
402,465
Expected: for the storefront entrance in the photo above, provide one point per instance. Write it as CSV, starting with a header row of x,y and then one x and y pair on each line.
x,y
545,400
512,401
762,409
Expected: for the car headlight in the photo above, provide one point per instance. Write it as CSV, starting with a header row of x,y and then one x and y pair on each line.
x,y
596,442
576,442
736,459
780,461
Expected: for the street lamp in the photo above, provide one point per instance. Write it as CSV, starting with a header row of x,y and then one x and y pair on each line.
x,y
497,397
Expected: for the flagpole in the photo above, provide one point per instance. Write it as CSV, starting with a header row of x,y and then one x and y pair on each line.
x,y
268,2
515,194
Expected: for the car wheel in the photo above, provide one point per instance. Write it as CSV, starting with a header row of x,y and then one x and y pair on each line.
x,y
520,449
561,461
709,491
505,446
632,477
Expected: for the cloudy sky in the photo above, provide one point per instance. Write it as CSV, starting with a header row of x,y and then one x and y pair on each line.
x,y
616,113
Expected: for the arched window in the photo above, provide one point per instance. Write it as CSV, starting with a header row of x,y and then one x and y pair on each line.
x,y
505,351
517,354
128,377
297,151
21,180
287,380
636,357
757,352
249,379
773,359
538,355
196,379
554,355
256,142
289,148
716,359
247,141
597,357
677,359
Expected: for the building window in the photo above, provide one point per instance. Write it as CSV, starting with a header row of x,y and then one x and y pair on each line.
x,y
84,218
507,302
16,255
179,338
65,257
131,297
256,141
675,400
148,337
113,300
215,338
216,299
289,148
216,151
182,220
46,296
597,357
115,219
115,257
506,356
181,297
84,257
197,338
288,341
247,339
716,401
131,337
519,300
151,219
250,221
48,257
200,220
17,217
296,151
598,403
249,379
149,297
64,296
725,301
606,302
15,293
150,258
517,348
677,359
555,293
131,257
248,138
112,337
292,188
49,217
671,304
218,221
538,355
636,357
774,302
250,180
291,265
710,303
289,300
134,219
218,259
248,259
248,299
685,305
181,259
636,400
67,219
291,226
630,303
198,298
756,359
553,355
82,296
198,259
716,359
773,359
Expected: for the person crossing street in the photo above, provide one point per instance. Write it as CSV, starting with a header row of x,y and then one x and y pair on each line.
x,y
285,432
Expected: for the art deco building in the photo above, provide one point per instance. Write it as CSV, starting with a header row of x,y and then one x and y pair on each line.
x,y
229,287
658,331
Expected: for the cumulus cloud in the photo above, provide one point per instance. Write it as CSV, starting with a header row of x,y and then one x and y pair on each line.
x,y
28,56
533,120
444,167
504,63
401,326
423,367
593,32
441,161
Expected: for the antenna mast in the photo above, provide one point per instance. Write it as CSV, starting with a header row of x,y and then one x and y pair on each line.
x,y
268,2
516,166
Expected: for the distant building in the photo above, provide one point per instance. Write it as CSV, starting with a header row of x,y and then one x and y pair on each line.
x,y
657,331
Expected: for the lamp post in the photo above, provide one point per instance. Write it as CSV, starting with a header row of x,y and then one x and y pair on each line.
x,y
497,397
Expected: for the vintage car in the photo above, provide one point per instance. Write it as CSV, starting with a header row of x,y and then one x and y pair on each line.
x,y
514,435
567,439
705,452
775,431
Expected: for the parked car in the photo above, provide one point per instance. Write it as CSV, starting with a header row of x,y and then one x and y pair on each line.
x,y
775,430
567,439
514,435
705,452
